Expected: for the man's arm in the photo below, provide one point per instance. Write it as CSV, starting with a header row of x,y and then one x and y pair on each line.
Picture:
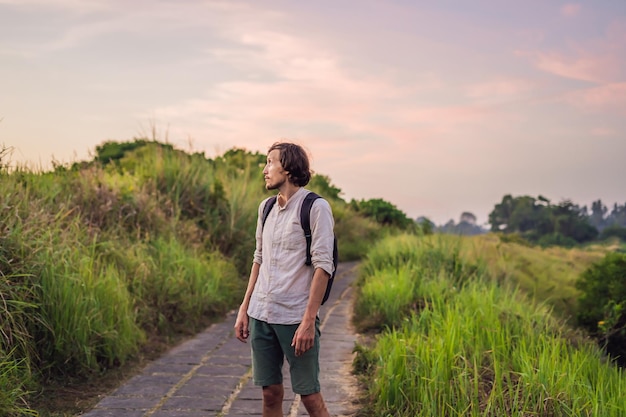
x,y
241,324
242,330
304,337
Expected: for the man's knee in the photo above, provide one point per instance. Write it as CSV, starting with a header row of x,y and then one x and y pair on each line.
x,y
273,394
314,403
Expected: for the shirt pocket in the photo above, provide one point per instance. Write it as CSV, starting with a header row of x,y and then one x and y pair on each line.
x,y
293,237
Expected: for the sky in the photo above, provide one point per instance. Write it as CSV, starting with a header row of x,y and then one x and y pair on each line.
x,y
437,107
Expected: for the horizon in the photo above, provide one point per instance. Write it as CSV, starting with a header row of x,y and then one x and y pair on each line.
x,y
484,225
438,108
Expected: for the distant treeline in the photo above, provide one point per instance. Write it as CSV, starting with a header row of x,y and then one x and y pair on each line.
x,y
566,223
538,221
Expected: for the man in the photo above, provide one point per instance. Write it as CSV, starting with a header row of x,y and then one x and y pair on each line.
x,y
279,312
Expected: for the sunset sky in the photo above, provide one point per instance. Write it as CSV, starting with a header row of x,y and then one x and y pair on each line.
x,y
438,107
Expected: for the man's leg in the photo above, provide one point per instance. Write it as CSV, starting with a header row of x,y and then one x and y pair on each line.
x,y
304,370
267,362
314,404
273,400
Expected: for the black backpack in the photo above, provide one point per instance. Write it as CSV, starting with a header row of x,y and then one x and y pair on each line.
x,y
305,221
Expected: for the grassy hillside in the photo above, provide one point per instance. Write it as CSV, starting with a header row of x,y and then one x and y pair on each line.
x,y
455,339
543,274
102,260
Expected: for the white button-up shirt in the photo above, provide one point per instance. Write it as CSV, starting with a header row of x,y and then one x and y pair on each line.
x,y
281,292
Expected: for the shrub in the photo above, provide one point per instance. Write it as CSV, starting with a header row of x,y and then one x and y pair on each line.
x,y
613,231
354,233
556,239
603,301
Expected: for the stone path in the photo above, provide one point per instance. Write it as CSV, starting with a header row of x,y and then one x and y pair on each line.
x,y
210,375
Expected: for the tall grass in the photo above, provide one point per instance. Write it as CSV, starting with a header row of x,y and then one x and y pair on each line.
x,y
476,349
394,269
16,377
544,274
98,258
245,191
187,185
14,374
355,234
87,312
17,307
180,288
92,262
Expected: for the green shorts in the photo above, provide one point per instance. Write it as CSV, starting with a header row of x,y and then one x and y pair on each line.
x,y
271,343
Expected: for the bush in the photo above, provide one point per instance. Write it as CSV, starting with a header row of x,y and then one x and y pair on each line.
x,y
354,233
613,231
383,212
556,239
602,302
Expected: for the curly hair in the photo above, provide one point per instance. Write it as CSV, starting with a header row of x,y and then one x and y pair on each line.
x,y
294,160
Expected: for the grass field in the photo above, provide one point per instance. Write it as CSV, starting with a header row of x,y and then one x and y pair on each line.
x,y
457,335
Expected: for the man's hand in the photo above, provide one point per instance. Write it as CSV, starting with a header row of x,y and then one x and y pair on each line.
x,y
304,337
241,326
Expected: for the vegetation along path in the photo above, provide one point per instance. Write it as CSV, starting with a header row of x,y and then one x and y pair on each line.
x,y
210,375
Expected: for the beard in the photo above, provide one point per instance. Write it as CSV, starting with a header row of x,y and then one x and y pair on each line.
x,y
276,185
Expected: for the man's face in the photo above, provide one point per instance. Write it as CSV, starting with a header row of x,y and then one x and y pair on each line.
x,y
274,174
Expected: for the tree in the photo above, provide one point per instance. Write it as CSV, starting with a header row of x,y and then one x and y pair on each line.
x,y
500,216
243,159
427,225
382,212
467,226
598,215
467,217
537,220
612,232
111,151
571,222
521,214
322,185
617,216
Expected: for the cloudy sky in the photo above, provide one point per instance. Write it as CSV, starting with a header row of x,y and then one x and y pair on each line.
x,y
438,107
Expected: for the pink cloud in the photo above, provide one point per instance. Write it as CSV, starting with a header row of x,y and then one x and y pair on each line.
x,y
609,99
308,87
570,9
587,66
301,86
601,60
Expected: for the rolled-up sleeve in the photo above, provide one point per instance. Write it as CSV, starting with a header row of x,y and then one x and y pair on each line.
x,y
322,243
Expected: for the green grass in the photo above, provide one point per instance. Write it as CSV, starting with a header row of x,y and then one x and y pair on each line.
x,y
101,261
474,349
14,376
543,274
87,313
96,262
394,270
16,379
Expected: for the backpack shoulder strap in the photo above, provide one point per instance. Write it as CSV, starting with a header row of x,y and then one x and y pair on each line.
x,y
267,208
305,221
